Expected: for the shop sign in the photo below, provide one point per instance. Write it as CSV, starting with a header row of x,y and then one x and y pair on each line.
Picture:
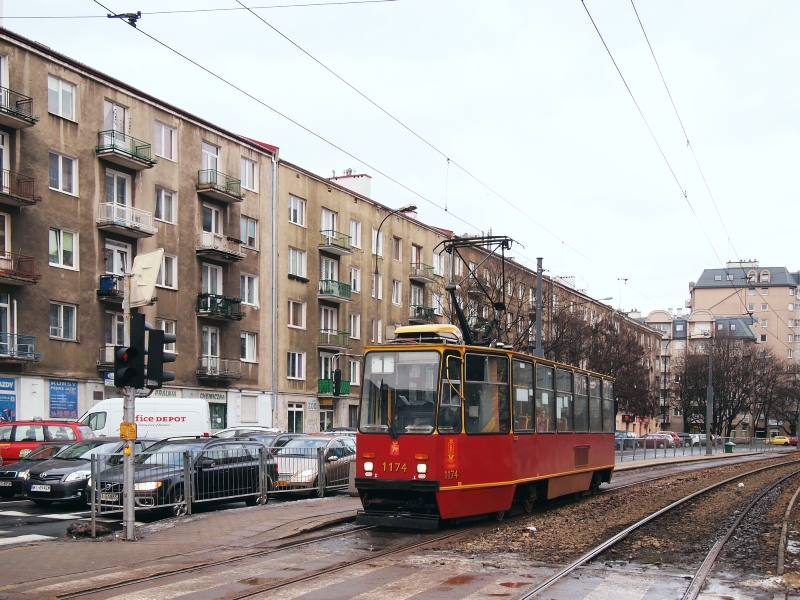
x,y
214,396
163,393
63,399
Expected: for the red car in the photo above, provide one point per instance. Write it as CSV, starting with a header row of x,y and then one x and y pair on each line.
x,y
18,438
793,440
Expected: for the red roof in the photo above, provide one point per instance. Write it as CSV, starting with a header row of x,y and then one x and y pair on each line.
x,y
269,147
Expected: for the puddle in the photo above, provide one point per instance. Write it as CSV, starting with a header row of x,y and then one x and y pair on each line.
x,y
260,580
514,584
459,579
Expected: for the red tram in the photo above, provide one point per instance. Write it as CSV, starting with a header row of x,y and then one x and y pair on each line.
x,y
449,431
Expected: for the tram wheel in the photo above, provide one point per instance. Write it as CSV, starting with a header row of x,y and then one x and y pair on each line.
x,y
499,515
528,506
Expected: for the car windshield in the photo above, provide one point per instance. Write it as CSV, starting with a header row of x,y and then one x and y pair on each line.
x,y
167,453
44,452
264,439
302,447
85,450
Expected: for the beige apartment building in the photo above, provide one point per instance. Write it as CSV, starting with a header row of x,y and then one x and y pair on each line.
x,y
95,172
330,236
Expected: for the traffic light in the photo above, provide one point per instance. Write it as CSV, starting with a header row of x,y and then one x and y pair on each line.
x,y
337,382
155,375
129,361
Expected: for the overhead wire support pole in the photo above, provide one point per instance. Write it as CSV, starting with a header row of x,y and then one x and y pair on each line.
x,y
129,416
538,352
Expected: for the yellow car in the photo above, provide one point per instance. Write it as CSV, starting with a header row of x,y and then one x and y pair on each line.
x,y
779,440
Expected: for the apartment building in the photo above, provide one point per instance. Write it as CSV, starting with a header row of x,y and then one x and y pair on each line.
x,y
331,235
768,294
95,172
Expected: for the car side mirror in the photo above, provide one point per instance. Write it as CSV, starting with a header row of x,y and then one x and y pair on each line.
x,y
333,458
207,463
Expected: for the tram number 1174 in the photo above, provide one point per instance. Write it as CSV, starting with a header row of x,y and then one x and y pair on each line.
x,y
394,467
451,474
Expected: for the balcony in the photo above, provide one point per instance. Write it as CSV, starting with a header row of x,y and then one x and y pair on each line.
x,y
15,347
222,308
334,291
325,387
17,190
214,368
421,273
105,361
125,150
219,186
126,220
16,110
111,288
219,247
421,314
334,242
331,339
477,285
17,269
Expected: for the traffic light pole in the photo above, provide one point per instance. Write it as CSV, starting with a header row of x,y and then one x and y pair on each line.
x,y
128,512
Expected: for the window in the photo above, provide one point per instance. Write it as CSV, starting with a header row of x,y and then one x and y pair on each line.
x,y
328,220
679,327
63,174
118,189
790,322
717,277
397,293
377,242
764,322
438,306
733,326
764,277
789,354
355,233
458,266
211,279
297,314
486,397
522,401
297,262
167,326
791,307
115,329
295,418
355,327
296,365
355,372
763,337
249,227
380,287
164,141
165,206
563,400
765,291
297,211
249,174
372,330
581,403
248,346
168,273
210,155
751,307
62,321
751,292
212,219
765,307
438,263
249,409
63,248
355,280
791,338
60,98
595,406
729,277
791,291
397,248
249,289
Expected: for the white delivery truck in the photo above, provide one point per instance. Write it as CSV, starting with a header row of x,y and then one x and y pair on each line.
x,y
156,418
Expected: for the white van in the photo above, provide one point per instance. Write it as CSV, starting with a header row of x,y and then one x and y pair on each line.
x,y
156,418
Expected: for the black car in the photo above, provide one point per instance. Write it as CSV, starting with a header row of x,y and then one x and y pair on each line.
x,y
686,439
14,475
64,477
624,439
271,440
221,470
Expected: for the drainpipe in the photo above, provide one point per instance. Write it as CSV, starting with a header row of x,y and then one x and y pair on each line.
x,y
274,292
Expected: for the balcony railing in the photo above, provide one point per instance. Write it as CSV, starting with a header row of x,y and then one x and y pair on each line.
x,y
112,142
220,247
17,105
219,185
131,220
17,269
215,306
19,189
422,313
18,347
325,386
476,285
335,241
214,367
421,272
334,289
111,288
332,337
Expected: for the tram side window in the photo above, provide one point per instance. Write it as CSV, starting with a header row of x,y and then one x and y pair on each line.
x,y
563,400
609,414
595,416
486,398
581,404
545,400
450,400
522,379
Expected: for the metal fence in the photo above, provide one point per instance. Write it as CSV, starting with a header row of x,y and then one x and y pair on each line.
x,y
649,448
312,470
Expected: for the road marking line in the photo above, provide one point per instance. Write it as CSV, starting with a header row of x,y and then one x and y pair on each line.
x,y
301,589
619,586
408,586
55,517
25,538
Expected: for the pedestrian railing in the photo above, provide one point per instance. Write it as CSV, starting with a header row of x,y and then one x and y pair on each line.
x,y
312,470
649,448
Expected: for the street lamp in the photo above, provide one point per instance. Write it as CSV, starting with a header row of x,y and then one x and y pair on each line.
x,y
379,247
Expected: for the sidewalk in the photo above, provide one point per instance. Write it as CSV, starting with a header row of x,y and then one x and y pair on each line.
x,y
162,546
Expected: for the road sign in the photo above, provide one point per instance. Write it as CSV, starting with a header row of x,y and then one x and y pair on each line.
x,y
127,431
144,275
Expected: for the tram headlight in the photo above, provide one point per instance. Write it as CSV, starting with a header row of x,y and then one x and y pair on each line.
x,y
368,466
421,469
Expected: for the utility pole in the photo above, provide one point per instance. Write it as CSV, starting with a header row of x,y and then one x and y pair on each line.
x,y
710,391
129,416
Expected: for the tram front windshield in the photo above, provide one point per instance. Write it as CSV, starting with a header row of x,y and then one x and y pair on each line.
x,y
398,394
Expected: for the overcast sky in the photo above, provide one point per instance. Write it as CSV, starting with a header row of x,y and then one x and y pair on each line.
x,y
523,95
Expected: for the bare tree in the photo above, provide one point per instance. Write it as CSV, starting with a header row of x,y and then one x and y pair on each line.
x,y
688,390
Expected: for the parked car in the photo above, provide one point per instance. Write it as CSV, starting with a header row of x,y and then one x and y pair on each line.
x,y
656,440
222,469
684,439
793,440
271,440
701,439
13,476
19,438
64,477
778,440
624,439
675,437
244,431
298,461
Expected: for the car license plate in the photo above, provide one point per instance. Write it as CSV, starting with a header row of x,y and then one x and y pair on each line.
x,y
40,488
5,484
109,497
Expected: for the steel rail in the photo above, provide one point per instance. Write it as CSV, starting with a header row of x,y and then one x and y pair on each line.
x,y
553,579
784,531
